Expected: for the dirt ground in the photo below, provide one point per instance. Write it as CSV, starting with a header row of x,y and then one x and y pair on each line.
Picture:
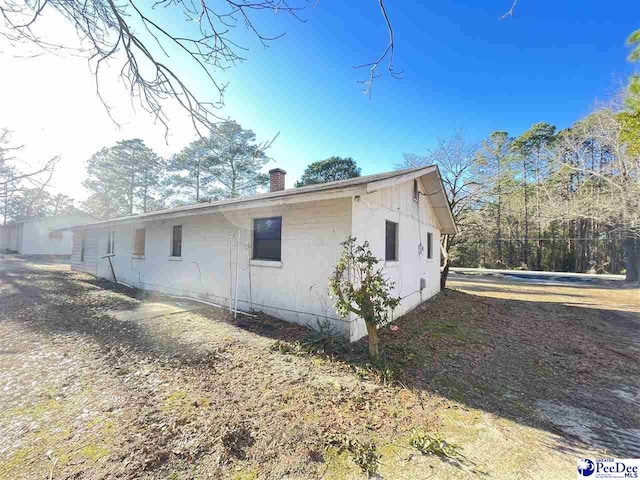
x,y
101,381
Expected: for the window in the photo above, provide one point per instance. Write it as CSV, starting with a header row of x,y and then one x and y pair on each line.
x,y
83,248
111,242
416,191
176,241
391,241
267,238
55,234
429,245
138,243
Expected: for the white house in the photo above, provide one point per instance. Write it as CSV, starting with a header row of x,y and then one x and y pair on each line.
x,y
41,235
274,252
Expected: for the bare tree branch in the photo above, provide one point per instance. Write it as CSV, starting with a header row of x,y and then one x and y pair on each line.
x,y
509,13
388,52
106,32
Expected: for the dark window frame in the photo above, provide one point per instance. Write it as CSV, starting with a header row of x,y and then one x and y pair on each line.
x,y
416,190
267,245
176,247
111,242
144,242
83,249
429,245
391,244
55,234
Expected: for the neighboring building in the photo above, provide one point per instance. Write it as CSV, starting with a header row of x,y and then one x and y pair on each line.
x,y
274,252
41,235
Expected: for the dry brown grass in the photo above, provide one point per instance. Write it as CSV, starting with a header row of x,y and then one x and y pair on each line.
x,y
199,395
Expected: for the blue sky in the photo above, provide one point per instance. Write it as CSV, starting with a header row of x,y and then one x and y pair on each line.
x,y
463,68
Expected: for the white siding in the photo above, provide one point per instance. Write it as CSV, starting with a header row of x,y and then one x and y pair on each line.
x,y
90,263
415,220
34,238
295,291
296,288
9,237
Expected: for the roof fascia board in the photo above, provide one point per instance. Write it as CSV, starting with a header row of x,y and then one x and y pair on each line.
x,y
442,212
397,180
250,204
454,230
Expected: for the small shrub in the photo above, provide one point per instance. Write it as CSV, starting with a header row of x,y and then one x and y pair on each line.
x,y
236,440
363,454
322,342
325,340
434,445
376,372
286,348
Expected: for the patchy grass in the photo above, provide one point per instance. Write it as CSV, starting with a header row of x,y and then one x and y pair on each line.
x,y
200,395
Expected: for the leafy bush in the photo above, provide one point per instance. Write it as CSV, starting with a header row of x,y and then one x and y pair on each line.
x,y
359,286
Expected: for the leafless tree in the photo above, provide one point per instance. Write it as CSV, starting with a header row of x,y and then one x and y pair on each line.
x,y
387,53
134,35
107,32
605,181
14,181
457,160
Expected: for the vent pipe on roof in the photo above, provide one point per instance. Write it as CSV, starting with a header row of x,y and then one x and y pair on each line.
x,y
276,179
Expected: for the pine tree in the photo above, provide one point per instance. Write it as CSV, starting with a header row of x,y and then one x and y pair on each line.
x,y
123,179
329,170
226,164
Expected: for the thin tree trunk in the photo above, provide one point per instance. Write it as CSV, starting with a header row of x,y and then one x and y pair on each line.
x,y
6,203
372,332
446,243
498,227
444,275
131,185
198,181
631,260
525,243
146,189
539,242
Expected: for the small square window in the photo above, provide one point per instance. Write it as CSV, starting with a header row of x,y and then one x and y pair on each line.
x,y
55,234
429,245
111,242
391,241
138,242
267,238
176,241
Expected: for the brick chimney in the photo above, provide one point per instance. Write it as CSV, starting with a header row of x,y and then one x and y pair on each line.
x,y
276,179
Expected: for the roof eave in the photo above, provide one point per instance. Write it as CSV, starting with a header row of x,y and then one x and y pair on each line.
x,y
437,198
339,192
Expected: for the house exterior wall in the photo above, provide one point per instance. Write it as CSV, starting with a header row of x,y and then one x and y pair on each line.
x,y
90,263
9,237
415,220
294,289
36,238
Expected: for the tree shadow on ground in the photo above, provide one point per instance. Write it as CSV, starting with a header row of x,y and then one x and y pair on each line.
x,y
567,369
570,370
57,302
